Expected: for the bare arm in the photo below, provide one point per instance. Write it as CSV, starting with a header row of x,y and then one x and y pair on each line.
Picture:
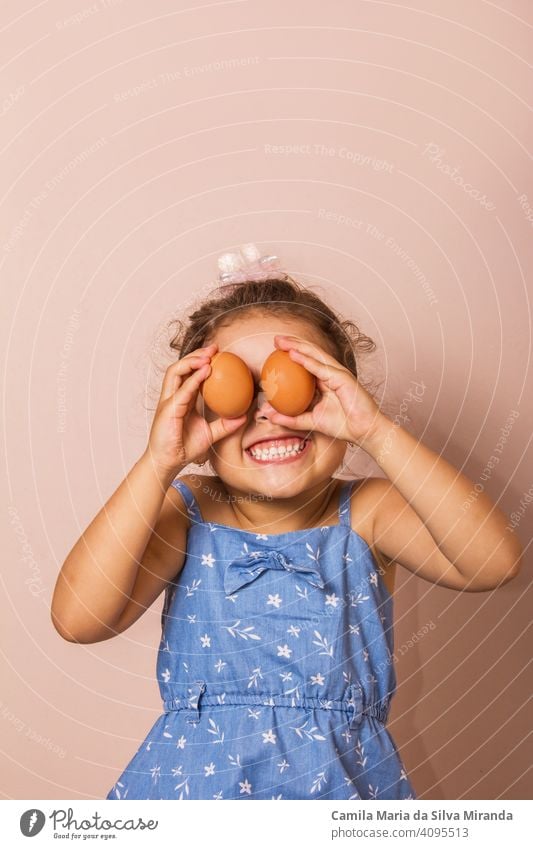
x,y
97,580
136,543
426,522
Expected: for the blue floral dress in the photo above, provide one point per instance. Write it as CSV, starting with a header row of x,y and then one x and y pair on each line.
x,y
275,669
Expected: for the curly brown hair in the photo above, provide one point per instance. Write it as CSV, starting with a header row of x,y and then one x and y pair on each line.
x,y
281,295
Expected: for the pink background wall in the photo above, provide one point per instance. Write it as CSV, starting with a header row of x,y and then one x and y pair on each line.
x,y
138,143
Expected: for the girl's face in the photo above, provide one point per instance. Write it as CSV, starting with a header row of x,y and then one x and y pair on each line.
x,y
252,339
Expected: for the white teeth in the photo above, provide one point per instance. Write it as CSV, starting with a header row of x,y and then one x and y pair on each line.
x,y
288,450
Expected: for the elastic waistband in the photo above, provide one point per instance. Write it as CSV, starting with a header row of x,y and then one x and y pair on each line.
x,y
352,703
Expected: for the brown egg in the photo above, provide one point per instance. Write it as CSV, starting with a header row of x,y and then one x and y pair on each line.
x,y
229,389
287,385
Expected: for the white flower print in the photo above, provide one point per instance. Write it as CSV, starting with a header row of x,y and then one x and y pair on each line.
x,y
284,651
183,786
261,536
318,679
310,733
294,631
209,769
358,599
403,776
192,618
374,578
181,742
192,589
283,765
360,752
312,554
156,772
218,795
206,641
354,629
246,552
347,736
208,560
349,781
245,633
220,664
117,792
302,593
323,643
269,736
245,786
277,797
295,692
346,558
316,786
256,674
332,600
165,675
285,676
253,713
215,729
275,600
178,770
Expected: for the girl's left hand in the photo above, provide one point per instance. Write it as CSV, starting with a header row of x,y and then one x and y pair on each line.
x,y
344,411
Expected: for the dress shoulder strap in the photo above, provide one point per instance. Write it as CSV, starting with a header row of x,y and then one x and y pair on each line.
x,y
344,503
193,510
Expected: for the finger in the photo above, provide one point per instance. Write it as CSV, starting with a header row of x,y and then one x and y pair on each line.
x,y
303,422
286,343
187,392
330,373
223,427
175,373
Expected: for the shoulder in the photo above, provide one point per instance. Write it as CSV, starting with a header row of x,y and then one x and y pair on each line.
x,y
195,484
368,499
365,497
204,489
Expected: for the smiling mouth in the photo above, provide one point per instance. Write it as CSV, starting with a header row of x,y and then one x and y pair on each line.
x,y
278,450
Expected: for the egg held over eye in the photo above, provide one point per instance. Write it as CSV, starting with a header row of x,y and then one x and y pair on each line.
x,y
229,389
288,386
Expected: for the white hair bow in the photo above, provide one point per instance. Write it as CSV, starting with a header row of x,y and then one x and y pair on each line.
x,y
247,264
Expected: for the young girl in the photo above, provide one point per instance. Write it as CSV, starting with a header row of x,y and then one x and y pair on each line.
x,y
276,659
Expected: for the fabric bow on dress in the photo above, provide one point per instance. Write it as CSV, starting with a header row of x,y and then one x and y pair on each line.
x,y
246,569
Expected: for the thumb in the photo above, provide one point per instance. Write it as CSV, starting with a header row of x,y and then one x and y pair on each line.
x,y
224,427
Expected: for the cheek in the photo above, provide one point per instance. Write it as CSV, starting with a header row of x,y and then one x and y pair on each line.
x,y
329,450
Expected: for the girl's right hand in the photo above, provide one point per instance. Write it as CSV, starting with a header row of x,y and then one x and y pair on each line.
x,y
179,434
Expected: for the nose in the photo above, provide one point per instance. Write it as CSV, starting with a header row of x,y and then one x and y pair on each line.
x,y
262,407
